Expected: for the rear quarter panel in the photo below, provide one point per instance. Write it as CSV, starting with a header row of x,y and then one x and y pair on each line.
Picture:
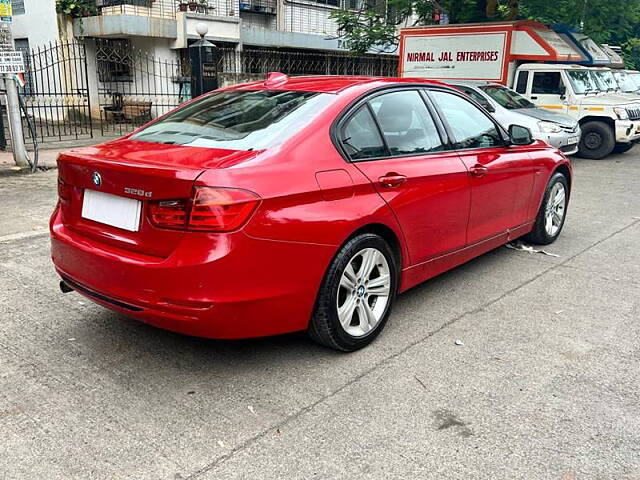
x,y
310,194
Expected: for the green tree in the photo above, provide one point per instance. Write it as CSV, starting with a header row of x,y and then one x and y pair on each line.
x,y
615,22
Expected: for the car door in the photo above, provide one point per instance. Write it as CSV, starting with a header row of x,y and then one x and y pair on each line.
x,y
393,139
501,175
548,91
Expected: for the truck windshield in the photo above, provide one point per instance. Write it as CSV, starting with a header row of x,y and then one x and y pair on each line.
x,y
582,81
605,80
626,82
507,98
237,119
635,77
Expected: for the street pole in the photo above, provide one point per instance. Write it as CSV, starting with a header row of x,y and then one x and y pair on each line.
x,y
14,116
15,123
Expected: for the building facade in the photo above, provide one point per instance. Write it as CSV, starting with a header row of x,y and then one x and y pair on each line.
x,y
129,62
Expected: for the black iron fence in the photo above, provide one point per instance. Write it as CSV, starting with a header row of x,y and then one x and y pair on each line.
x,y
135,87
263,61
56,94
64,100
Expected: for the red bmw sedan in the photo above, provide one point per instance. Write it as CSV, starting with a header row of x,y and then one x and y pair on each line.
x,y
303,203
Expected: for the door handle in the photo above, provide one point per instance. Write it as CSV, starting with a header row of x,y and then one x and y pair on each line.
x,y
478,170
534,98
391,180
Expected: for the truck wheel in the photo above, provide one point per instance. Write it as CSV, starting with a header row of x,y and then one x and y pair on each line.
x,y
623,147
598,140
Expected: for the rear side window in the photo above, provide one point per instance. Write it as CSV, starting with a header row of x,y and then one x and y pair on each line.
x,y
406,123
470,126
547,83
523,80
237,119
361,138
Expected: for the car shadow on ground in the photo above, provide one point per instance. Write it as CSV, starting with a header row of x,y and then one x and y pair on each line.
x,y
134,346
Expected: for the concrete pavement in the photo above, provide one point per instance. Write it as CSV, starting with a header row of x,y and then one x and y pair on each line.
x,y
545,385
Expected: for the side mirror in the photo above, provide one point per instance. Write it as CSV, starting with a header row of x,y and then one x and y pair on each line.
x,y
563,92
519,135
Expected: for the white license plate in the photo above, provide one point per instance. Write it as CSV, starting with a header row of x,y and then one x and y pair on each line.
x,y
120,212
573,140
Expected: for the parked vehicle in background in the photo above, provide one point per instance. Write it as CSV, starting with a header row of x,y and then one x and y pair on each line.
x,y
609,122
628,80
499,52
302,203
510,108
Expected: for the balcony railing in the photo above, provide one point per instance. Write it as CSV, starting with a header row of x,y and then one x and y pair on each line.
x,y
139,8
168,8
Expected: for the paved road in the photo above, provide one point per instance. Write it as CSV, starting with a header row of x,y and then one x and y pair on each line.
x,y
544,387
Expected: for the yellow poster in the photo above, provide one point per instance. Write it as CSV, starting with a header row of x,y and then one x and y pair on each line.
x,y
5,8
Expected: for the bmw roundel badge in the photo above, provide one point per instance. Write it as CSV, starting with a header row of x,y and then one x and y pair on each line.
x,y
97,179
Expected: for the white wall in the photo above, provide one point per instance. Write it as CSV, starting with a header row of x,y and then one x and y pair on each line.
x,y
38,23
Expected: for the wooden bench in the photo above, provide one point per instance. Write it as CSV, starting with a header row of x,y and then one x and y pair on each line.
x,y
136,112
122,110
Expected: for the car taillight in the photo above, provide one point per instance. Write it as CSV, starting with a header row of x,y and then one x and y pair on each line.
x,y
64,193
211,209
221,209
169,213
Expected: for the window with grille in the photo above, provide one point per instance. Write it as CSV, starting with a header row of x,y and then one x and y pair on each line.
x,y
18,7
115,61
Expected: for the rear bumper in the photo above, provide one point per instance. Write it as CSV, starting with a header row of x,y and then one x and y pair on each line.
x,y
215,286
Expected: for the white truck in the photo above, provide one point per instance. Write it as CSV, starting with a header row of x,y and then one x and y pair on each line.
x,y
535,61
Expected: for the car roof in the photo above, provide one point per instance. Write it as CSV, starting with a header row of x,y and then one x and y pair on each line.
x,y
473,83
552,66
330,83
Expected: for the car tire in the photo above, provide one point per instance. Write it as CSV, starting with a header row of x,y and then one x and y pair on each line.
x,y
623,147
542,234
352,308
597,141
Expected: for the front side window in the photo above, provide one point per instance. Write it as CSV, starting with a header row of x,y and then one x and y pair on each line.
x,y
470,126
406,123
506,97
237,119
361,138
547,83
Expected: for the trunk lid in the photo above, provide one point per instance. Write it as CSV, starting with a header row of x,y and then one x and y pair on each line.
x,y
144,171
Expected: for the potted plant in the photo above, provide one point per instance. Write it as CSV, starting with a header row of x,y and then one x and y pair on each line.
x,y
183,6
204,6
193,5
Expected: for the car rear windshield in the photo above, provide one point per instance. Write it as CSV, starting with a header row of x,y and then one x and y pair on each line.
x,y
237,119
507,98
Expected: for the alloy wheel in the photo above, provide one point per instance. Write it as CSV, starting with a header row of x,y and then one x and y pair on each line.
x,y
363,294
555,209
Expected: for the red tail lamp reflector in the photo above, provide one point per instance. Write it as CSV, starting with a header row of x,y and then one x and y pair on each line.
x,y
221,209
211,209
169,213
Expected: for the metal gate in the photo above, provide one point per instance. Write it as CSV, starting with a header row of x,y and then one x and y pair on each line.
x,y
56,94
135,87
